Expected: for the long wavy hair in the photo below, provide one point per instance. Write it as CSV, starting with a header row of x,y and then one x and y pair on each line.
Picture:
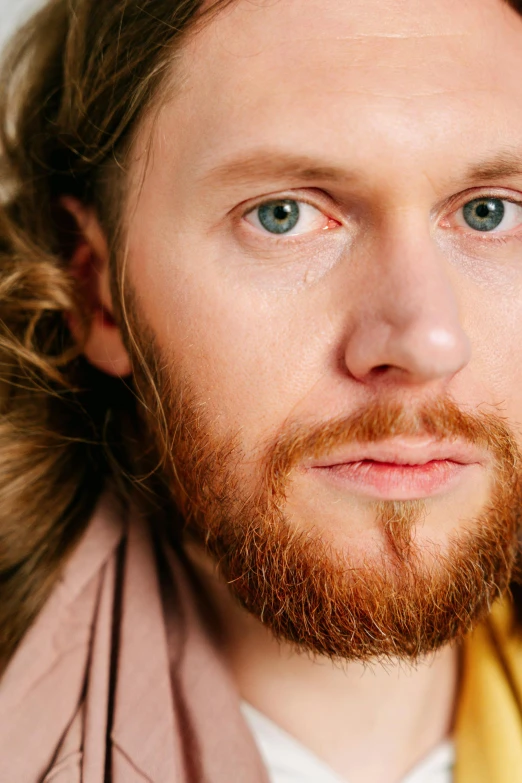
x,y
75,84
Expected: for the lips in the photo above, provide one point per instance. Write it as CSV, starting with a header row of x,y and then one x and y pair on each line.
x,y
398,469
403,452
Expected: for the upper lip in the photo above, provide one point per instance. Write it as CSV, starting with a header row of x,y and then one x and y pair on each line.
x,y
402,451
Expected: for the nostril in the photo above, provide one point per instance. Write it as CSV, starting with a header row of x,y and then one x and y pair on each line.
x,y
381,369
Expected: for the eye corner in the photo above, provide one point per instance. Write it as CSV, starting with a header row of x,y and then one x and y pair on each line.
x,y
485,213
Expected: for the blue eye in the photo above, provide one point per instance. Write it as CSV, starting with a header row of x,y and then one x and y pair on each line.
x,y
279,217
484,214
288,217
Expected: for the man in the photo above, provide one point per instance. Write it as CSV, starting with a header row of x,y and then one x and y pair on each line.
x,y
265,526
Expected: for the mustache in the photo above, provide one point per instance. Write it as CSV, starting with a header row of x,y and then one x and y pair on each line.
x,y
440,419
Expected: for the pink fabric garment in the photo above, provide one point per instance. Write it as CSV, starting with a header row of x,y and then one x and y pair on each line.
x,y
119,678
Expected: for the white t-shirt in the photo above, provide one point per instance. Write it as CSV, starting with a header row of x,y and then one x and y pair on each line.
x,y
288,761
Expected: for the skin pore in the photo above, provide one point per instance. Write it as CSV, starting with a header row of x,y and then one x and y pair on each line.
x,y
385,120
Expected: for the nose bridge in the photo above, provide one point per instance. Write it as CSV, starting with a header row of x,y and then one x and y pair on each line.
x,y
415,284
410,320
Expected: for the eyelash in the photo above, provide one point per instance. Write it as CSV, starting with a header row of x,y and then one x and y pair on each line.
x,y
487,237
323,207
490,238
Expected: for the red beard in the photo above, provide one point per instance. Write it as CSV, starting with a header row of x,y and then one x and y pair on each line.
x,y
403,602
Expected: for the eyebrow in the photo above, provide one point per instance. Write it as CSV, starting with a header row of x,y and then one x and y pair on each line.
x,y
269,165
266,165
507,163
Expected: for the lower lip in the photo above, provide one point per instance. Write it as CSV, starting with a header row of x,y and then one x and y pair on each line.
x,y
391,481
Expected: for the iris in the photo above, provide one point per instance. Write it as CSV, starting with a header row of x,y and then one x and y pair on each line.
x,y
484,214
279,217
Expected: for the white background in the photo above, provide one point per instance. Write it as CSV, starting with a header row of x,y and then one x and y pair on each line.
x,y
12,13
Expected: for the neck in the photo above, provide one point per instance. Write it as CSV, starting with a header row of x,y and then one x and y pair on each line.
x,y
341,712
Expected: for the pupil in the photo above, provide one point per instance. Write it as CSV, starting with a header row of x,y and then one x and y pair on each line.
x,y
281,212
482,210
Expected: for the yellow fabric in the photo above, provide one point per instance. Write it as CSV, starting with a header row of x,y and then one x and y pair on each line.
x,y
489,719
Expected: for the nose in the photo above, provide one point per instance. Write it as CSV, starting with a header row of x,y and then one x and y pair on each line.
x,y
407,327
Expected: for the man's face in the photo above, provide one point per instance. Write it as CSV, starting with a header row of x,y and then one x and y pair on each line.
x,y
328,223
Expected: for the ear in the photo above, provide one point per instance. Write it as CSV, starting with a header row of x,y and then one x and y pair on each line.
x,y
104,346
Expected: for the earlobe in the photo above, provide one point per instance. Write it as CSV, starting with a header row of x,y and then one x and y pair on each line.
x,y
103,345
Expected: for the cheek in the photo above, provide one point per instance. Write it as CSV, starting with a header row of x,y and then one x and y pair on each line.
x,y
258,355
251,355
492,318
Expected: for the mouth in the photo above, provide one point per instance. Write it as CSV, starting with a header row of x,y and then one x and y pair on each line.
x,y
398,469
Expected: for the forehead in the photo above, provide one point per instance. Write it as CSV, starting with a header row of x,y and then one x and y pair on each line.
x,y
337,77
